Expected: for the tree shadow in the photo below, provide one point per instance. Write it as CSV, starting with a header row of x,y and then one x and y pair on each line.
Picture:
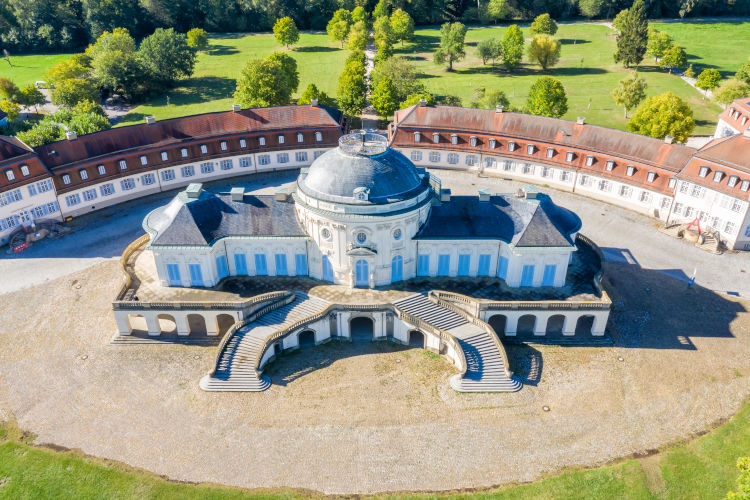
x,y
317,48
222,50
573,41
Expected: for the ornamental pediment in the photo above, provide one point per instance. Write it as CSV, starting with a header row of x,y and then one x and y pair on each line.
x,y
361,251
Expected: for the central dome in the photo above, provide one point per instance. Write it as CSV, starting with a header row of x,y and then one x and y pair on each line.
x,y
363,169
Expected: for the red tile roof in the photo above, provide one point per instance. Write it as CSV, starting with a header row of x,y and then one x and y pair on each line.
x,y
737,114
11,148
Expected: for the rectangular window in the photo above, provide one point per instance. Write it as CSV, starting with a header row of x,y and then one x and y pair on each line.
x,y
508,165
223,145
101,169
745,185
483,266
226,164
511,146
262,140
604,185
144,160
473,141
546,172
444,264
732,181
10,196
589,161
264,159
207,167
44,186
127,184
550,152
565,176
416,156
25,170
300,156
89,195
737,206
678,208
32,189
672,182
527,169
246,161
282,157
280,261
417,136
73,199
490,162
107,189
66,179
10,175
222,269
689,211
300,264
569,156
717,176
261,269
471,160
703,172
187,171
243,143
173,273
548,279
184,152
630,171
665,202
167,175
454,139
698,191
148,179
164,156
204,149
83,174
530,149
527,275
651,177
464,260
452,158
610,165
729,228
196,274
240,264
281,139
434,157
423,265
435,138
318,137
645,197
626,191
493,143
123,165
300,137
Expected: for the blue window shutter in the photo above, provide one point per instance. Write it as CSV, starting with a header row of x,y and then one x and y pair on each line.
x,y
222,270
527,275
327,269
464,261
502,268
444,265
549,275
196,275
423,265
397,269
300,264
280,261
173,270
483,269
260,264
240,263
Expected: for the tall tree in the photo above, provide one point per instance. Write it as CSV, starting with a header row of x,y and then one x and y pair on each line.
x,y
489,49
118,39
543,24
285,31
659,42
401,72
547,98
289,65
264,82
351,90
675,57
381,9
8,89
339,25
166,56
591,8
359,35
360,14
197,38
497,9
544,50
402,25
663,115
312,92
512,47
384,97
630,92
452,36
729,90
632,38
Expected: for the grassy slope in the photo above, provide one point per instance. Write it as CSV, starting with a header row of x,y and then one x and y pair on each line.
x,y
586,69
703,469
30,68
211,87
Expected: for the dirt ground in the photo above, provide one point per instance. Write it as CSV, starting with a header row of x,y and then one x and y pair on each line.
x,y
346,418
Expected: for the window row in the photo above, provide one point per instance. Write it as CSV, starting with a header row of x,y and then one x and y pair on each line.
x,y
11,175
715,222
28,215
719,176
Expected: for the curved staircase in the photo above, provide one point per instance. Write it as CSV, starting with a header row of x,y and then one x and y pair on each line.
x,y
485,369
235,369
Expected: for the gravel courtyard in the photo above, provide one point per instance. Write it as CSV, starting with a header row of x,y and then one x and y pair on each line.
x,y
357,418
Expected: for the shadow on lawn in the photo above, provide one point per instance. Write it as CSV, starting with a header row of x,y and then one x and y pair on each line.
x,y
317,48
573,41
222,50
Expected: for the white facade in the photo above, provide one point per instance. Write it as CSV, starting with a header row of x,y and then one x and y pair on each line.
x,y
22,205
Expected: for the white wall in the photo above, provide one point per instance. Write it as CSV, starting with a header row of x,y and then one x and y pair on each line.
x,y
19,207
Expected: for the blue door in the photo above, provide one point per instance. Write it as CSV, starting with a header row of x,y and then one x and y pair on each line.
x,y
397,269
464,260
173,270
423,265
240,263
222,270
300,264
361,270
549,275
444,265
327,269
502,268
196,275
261,268
527,276
483,269
280,261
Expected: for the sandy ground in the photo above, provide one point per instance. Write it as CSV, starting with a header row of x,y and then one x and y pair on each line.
x,y
363,418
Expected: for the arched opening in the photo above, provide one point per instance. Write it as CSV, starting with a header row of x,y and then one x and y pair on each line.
x,y
278,349
167,323
137,323
555,324
196,324
526,324
584,325
362,273
498,323
361,329
416,339
224,322
306,338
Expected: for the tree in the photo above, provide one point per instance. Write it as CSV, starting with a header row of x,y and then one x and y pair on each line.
x,y
547,98
675,57
285,31
312,92
591,8
731,89
384,97
74,90
383,34
494,98
512,47
618,23
83,119
663,115
451,49
11,108
67,69
263,82
352,89
339,25
400,71
743,73
659,42
86,107
197,38
743,481
402,25
118,39
289,66
413,99
489,50
544,50
497,9
166,56
360,14
381,9
8,89
118,72
708,79
543,25
30,96
689,72
632,38
358,36
630,92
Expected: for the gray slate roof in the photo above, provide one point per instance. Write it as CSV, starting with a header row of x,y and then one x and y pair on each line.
x,y
521,222
212,216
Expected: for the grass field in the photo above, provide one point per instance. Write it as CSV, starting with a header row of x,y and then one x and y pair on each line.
x,y
29,68
701,469
586,69
319,61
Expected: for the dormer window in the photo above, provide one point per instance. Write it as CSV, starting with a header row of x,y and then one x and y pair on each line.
x,y
281,139
435,138
24,170
733,179
164,156
473,141
223,145
101,169
589,160
300,137
550,152
318,137
10,175
672,183
703,171
144,160
243,143
745,185
511,146
530,149
417,136
262,140
123,165
569,156
717,176
454,139
744,120
493,142
361,194
204,149
184,152
66,179
83,174
651,177
610,165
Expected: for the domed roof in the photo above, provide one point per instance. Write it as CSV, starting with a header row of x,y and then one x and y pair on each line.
x,y
362,164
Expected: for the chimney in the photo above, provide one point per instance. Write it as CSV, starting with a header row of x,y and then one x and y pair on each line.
x,y
423,102
150,120
236,108
313,102
484,194
746,132
237,193
581,120
71,135
499,108
668,139
445,195
193,190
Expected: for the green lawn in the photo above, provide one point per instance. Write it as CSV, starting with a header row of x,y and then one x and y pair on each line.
x,y
586,69
701,469
29,68
319,61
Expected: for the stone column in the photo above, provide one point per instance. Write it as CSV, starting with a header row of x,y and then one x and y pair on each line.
x,y
180,320
121,318
600,323
569,325
152,323
540,325
211,327
511,324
